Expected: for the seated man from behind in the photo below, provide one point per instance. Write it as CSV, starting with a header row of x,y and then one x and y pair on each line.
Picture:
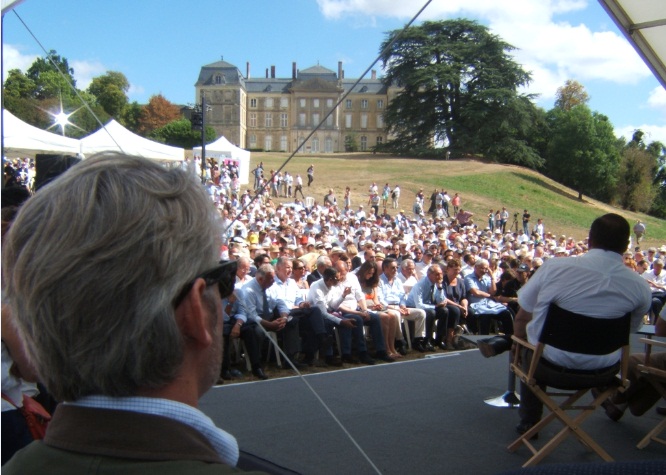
x,y
596,284
125,321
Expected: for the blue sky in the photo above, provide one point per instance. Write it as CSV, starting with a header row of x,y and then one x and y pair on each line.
x,y
160,46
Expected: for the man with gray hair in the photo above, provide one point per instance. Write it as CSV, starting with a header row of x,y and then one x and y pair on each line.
x,y
113,278
484,307
322,263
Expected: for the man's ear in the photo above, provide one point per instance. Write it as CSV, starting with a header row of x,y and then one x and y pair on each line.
x,y
194,316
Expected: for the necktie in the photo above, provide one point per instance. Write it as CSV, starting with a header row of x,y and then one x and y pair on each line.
x,y
266,313
432,294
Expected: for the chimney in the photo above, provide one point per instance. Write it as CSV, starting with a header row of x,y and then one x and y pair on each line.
x,y
374,74
293,70
247,69
266,73
272,72
339,69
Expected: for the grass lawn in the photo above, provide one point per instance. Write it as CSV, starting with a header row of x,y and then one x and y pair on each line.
x,y
481,185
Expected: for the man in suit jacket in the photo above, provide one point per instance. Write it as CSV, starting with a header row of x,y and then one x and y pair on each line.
x,y
116,289
322,263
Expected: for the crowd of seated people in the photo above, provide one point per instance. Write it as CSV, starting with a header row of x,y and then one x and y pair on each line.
x,y
481,270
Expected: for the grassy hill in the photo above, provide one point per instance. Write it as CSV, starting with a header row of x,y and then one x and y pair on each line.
x,y
482,186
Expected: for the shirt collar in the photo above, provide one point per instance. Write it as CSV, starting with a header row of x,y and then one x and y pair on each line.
x,y
224,443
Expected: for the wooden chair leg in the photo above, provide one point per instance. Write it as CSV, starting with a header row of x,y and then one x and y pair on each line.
x,y
653,435
571,425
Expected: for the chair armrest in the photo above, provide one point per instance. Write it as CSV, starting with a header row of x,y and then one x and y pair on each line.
x,y
525,376
649,341
522,342
646,369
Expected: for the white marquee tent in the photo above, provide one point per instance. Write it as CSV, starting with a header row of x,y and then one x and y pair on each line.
x,y
225,152
21,139
118,138
643,23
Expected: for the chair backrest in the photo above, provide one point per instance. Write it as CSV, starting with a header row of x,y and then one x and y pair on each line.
x,y
576,333
309,201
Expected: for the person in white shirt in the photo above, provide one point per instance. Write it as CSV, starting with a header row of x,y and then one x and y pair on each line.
x,y
407,274
656,278
596,284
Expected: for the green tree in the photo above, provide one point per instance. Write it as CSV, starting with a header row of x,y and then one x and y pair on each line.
x,y
110,90
179,133
131,116
635,189
18,85
52,76
351,143
571,94
458,82
582,153
658,151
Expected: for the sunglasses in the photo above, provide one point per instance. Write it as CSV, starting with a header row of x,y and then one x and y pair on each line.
x,y
224,275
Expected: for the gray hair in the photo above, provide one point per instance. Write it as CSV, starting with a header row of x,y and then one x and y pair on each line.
x,y
93,264
323,261
264,270
481,263
405,263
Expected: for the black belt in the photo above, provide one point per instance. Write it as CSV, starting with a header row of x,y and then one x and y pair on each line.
x,y
562,369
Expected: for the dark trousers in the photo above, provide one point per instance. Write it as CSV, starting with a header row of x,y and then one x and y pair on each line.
x,y
289,335
437,318
373,323
310,179
481,321
249,337
531,407
312,328
346,335
658,299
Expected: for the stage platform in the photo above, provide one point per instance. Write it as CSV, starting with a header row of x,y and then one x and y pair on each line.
x,y
425,416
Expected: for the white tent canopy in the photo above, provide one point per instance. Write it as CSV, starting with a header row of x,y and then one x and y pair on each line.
x,y
223,152
21,138
115,137
643,23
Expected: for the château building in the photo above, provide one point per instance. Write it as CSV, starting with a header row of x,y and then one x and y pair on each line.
x,y
277,113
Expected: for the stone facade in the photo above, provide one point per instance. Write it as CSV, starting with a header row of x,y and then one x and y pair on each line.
x,y
278,114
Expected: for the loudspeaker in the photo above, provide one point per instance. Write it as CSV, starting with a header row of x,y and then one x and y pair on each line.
x,y
48,167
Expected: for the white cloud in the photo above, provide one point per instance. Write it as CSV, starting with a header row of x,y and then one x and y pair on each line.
x,y
552,50
136,92
653,133
12,58
85,71
657,99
